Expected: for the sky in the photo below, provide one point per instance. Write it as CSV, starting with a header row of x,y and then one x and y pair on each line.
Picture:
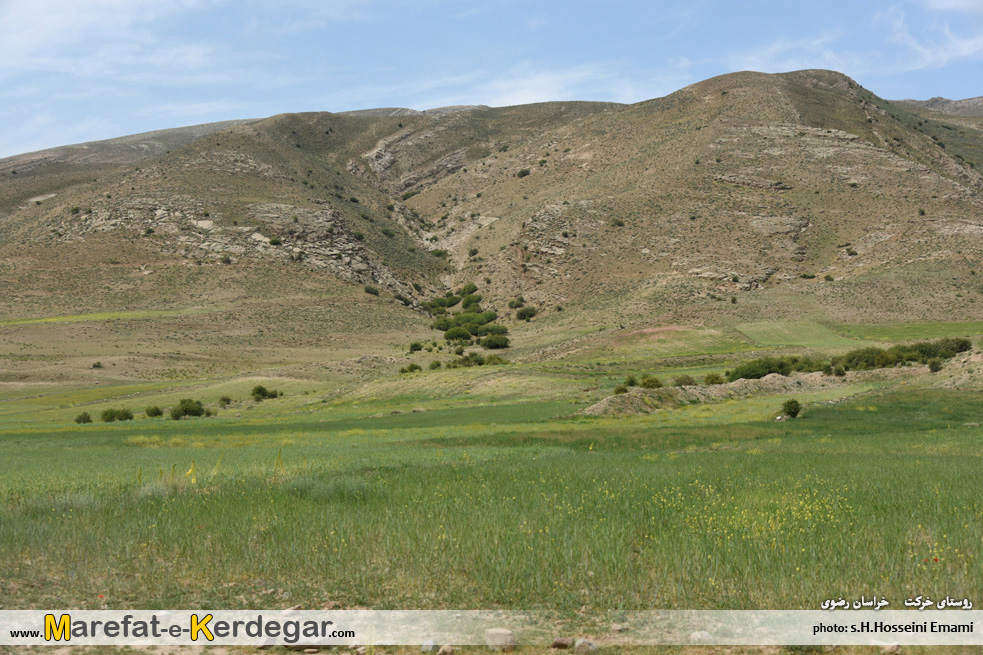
x,y
82,70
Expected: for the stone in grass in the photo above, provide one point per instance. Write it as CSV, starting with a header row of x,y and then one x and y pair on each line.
x,y
584,646
428,646
499,639
562,643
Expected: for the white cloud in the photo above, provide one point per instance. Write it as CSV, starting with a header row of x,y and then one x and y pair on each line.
x,y
784,55
936,49
971,6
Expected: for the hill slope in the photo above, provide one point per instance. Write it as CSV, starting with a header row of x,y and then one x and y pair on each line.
x,y
743,198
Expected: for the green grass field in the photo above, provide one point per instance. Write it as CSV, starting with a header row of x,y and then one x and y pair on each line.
x,y
713,506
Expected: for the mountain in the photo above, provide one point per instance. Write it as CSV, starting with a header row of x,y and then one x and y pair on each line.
x,y
967,107
746,197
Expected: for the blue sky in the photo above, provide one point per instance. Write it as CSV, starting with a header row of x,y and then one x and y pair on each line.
x,y
80,70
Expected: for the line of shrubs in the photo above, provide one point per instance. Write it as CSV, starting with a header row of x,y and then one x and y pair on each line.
x,y
860,359
471,325
652,382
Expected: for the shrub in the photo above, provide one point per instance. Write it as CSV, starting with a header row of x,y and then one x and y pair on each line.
x,y
621,388
187,407
495,341
416,346
472,252
683,381
359,236
225,401
443,324
470,300
713,378
631,381
618,222
226,259
791,408
828,277
83,418
651,382
935,365
435,364
387,232
494,360
275,241
491,328
260,393
517,303
371,289
526,313
522,172
97,365
153,411
110,415
758,368
412,368
457,334
839,371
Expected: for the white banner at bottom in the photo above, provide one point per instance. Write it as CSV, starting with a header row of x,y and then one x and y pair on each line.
x,y
497,629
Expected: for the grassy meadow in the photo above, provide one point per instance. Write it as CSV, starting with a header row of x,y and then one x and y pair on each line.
x,y
480,501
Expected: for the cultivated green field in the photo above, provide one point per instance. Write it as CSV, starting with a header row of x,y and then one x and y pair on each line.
x,y
516,505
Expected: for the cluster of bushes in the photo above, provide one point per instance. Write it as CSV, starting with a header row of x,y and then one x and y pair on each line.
x,y
189,407
758,368
925,352
260,393
111,415
652,382
862,359
475,359
470,325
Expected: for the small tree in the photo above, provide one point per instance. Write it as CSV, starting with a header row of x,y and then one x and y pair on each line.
x,y
651,382
525,313
713,378
935,365
621,388
153,411
83,418
495,341
791,408
683,381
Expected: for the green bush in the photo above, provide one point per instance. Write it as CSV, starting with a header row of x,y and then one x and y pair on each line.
x,y
110,415
791,408
260,393
621,388
495,341
187,407
83,418
713,378
435,364
491,328
526,313
412,368
416,346
225,401
758,368
153,411
683,381
275,241
517,303
631,381
468,289
371,289
651,382
522,172
457,334
935,365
